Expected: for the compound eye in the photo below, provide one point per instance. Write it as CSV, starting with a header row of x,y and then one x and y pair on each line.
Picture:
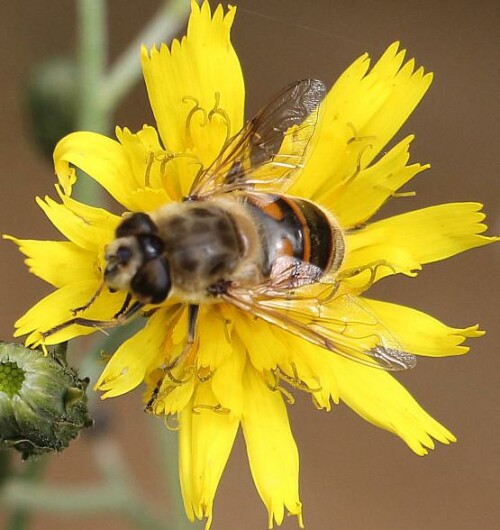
x,y
136,223
150,245
123,255
151,284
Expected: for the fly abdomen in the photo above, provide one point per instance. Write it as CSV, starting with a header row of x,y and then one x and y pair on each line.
x,y
296,228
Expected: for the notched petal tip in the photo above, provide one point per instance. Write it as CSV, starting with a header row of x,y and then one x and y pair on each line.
x,y
421,445
15,240
201,69
276,514
145,51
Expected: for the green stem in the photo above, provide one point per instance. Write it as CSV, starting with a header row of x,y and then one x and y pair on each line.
x,y
92,58
80,501
92,54
126,70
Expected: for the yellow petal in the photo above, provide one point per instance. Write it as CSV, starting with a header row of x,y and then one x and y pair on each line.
x,y
420,333
186,461
56,308
272,452
88,227
129,365
57,262
98,218
206,439
363,111
138,148
214,332
378,398
285,359
265,349
404,242
150,168
148,200
309,369
196,88
102,158
172,397
226,381
372,185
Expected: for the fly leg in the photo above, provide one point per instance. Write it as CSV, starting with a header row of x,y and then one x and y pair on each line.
x,y
90,302
193,311
122,316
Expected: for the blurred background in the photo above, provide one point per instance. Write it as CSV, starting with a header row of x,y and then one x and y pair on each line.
x,y
353,476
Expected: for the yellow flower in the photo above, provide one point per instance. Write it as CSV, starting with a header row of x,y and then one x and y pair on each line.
x,y
241,369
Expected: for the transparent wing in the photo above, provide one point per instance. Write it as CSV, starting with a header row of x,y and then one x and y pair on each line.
x,y
341,324
271,147
289,273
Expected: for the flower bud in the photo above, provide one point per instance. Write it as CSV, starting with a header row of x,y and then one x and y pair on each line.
x,y
43,404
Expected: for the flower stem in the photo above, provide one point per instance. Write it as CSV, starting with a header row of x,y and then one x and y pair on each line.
x,y
91,60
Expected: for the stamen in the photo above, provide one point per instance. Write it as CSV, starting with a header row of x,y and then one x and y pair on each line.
x,y
227,333
355,137
172,422
401,194
218,409
186,374
44,347
316,403
276,375
359,166
165,158
328,294
223,114
159,392
205,378
191,113
372,267
276,387
287,395
297,382
147,174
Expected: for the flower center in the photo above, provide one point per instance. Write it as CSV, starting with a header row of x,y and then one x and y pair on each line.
x,y
11,378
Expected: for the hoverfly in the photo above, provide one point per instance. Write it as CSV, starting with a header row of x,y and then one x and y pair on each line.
x,y
239,238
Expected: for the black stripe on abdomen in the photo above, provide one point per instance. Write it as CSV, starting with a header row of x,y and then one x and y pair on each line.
x,y
293,227
320,234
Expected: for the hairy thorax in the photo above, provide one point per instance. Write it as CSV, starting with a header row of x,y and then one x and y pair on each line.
x,y
205,243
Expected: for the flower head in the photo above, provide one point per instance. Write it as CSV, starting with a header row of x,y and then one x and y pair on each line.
x,y
236,366
43,405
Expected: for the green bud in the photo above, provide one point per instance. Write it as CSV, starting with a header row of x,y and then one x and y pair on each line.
x,y
43,405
